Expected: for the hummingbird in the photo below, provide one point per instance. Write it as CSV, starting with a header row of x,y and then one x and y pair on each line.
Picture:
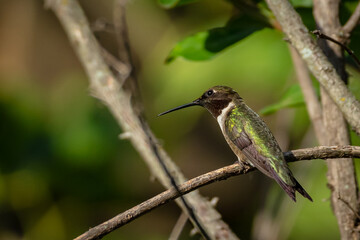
x,y
248,136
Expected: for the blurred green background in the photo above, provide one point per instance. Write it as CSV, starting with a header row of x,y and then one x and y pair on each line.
x,y
63,168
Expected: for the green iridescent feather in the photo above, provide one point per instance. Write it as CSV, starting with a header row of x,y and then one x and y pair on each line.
x,y
265,153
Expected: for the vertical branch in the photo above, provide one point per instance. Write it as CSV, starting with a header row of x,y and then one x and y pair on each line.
x,y
316,61
179,226
119,102
121,32
312,103
329,71
352,22
341,174
124,53
131,85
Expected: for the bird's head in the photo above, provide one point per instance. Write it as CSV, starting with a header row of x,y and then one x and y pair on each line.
x,y
214,99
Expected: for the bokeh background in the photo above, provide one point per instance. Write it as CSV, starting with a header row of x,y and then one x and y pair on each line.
x,y
63,168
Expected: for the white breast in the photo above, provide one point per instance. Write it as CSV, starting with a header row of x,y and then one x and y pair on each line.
x,y
221,118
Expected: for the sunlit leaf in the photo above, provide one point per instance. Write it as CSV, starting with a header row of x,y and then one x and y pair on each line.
x,y
293,97
174,3
204,45
191,48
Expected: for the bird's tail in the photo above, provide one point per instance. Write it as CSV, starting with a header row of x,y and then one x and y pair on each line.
x,y
291,189
301,190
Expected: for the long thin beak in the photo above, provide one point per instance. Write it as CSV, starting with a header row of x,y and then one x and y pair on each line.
x,y
194,103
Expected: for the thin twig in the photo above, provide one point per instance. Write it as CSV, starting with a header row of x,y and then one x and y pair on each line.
x,y
122,69
312,103
352,22
179,226
349,206
322,152
121,31
188,207
130,83
105,228
102,25
319,34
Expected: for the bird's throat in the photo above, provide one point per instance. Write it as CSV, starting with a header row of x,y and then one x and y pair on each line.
x,y
223,114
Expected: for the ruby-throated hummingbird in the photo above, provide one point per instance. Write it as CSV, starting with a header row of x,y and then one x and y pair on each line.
x,y
247,134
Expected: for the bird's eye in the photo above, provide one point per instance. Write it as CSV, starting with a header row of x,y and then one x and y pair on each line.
x,y
209,93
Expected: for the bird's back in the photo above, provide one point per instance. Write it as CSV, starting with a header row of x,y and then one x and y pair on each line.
x,y
249,133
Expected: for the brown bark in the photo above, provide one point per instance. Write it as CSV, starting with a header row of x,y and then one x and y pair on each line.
x,y
317,62
327,67
352,22
129,215
341,173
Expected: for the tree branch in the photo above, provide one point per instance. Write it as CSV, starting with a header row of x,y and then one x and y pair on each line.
x,y
179,226
319,34
353,21
317,62
131,85
120,102
341,172
322,152
312,103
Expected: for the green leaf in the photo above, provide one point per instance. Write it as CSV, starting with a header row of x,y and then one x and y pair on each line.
x,y
174,3
234,31
293,97
191,48
204,45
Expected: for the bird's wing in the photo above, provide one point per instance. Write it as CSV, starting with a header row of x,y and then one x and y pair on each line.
x,y
244,143
257,144
250,134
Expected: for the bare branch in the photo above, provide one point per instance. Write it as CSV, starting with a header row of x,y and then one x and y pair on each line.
x,y
131,85
321,152
349,206
353,21
102,25
317,62
161,199
341,172
312,103
122,69
120,102
179,226
337,100
319,34
122,37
